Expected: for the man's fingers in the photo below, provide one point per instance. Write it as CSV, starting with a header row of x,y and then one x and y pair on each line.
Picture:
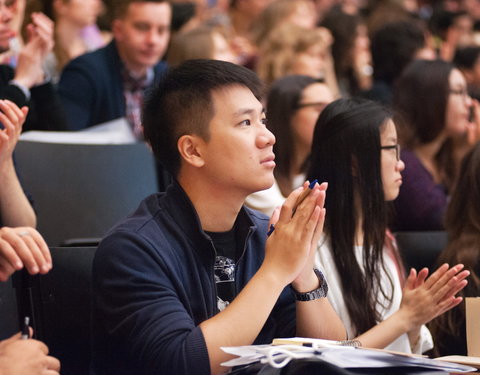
x,y
287,207
40,263
16,240
42,246
53,364
9,255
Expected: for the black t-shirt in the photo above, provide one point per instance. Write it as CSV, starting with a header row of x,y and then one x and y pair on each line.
x,y
226,247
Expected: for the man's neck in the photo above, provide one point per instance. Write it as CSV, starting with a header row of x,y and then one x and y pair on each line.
x,y
216,208
134,70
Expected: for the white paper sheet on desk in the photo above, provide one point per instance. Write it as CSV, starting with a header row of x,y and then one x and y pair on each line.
x,y
365,358
255,353
112,132
345,357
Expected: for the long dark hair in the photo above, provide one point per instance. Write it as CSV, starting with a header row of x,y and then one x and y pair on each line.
x,y
283,99
463,227
343,27
420,98
346,153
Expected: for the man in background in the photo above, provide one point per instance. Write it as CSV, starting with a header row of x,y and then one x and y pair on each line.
x,y
110,83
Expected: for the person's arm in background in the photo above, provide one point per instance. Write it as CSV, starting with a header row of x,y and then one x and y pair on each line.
x,y
46,112
23,247
422,301
15,209
26,357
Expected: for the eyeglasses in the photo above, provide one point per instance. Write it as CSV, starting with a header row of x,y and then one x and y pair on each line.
x,y
461,92
318,105
393,147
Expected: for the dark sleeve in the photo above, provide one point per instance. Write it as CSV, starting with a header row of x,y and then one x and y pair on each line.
x,y
14,94
10,92
46,111
77,93
422,202
141,318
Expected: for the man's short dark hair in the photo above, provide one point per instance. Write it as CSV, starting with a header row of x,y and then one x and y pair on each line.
x,y
393,47
119,7
182,104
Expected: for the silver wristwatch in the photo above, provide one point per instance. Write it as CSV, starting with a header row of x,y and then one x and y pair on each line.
x,y
320,292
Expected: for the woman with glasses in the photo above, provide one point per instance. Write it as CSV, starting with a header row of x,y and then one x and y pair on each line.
x,y
433,105
355,150
293,105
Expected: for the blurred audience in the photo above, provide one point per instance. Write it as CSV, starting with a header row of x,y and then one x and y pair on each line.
x,y
394,46
26,84
298,12
242,15
425,88
75,31
199,43
451,30
350,52
10,56
448,330
110,82
467,60
291,49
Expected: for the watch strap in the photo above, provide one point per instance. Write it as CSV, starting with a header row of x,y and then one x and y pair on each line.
x,y
320,292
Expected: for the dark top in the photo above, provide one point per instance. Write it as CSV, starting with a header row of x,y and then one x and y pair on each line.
x,y
91,87
45,109
421,204
153,284
380,92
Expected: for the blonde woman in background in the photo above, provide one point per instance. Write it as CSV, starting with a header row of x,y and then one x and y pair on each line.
x,y
291,49
298,12
200,43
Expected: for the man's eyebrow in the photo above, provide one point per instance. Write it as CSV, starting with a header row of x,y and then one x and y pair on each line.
x,y
246,111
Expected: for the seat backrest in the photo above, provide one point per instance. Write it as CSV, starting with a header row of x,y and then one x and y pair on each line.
x,y
62,307
8,310
421,249
82,190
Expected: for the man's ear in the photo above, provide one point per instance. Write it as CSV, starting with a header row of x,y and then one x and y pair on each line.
x,y
189,147
117,25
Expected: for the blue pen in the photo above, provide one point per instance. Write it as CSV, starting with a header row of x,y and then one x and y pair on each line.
x,y
300,199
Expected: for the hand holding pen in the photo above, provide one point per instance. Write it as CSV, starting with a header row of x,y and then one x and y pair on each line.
x,y
299,200
298,227
20,355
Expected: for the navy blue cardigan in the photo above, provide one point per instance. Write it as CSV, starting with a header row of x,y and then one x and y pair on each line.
x,y
153,284
91,87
